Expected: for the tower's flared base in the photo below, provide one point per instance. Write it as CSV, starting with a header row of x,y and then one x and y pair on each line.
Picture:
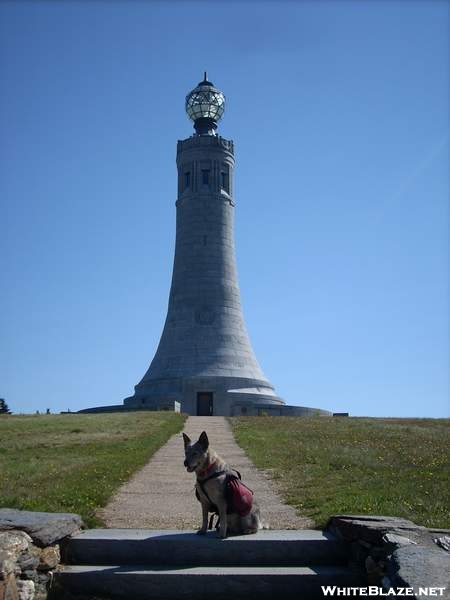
x,y
220,396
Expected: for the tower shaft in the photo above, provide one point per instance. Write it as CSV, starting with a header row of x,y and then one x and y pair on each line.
x,y
205,360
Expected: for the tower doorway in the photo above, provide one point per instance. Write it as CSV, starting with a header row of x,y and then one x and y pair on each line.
x,y
204,404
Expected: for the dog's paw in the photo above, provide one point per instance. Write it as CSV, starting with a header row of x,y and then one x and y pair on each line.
x,y
201,532
249,531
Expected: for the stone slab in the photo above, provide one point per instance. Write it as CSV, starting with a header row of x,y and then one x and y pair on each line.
x,y
281,535
143,546
203,583
45,529
372,528
419,566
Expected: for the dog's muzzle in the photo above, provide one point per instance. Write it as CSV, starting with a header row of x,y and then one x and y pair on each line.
x,y
189,469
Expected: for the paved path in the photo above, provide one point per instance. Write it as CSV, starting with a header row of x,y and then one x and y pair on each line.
x,y
161,495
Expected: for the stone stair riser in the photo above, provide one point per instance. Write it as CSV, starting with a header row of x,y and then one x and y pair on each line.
x,y
119,583
206,551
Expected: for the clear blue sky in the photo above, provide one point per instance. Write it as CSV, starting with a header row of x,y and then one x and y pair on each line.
x,y
339,114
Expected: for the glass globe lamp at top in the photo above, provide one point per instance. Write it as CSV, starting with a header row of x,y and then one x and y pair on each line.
x,y
205,102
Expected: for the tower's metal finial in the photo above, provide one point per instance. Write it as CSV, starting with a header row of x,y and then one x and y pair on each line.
x,y
205,105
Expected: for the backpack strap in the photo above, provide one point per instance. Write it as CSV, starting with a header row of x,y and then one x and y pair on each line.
x,y
203,481
213,476
237,473
212,506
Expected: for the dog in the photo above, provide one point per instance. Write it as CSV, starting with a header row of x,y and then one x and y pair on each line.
x,y
213,477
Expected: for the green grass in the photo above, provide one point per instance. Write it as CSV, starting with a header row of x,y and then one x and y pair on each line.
x,y
74,463
327,466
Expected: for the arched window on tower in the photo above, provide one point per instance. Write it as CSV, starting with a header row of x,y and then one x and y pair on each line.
x,y
205,176
225,180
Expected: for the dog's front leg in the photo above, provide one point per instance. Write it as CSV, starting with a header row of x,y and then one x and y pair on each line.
x,y
204,527
222,507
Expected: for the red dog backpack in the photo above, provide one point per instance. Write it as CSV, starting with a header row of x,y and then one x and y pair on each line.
x,y
239,496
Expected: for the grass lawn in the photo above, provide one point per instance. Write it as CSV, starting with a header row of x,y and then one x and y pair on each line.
x,y
325,466
74,463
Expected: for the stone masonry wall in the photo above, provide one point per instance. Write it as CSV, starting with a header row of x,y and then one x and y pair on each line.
x,y
30,551
397,553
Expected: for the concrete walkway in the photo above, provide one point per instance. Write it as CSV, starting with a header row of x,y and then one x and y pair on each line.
x,y
161,495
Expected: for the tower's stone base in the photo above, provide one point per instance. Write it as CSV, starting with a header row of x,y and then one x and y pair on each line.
x,y
205,396
210,396
218,396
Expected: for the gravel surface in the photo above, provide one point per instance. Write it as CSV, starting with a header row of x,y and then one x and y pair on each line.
x,y
161,495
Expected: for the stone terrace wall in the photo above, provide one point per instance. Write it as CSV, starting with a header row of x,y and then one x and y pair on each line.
x,y
396,552
30,551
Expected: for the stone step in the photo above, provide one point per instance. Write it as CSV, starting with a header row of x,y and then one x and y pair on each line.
x,y
172,548
202,583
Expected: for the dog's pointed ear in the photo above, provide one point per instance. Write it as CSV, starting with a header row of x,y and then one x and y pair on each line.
x,y
187,440
203,441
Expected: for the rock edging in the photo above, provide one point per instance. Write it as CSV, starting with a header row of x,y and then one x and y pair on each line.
x,y
30,551
396,552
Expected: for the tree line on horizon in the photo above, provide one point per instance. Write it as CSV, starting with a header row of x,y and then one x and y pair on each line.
x,y
4,408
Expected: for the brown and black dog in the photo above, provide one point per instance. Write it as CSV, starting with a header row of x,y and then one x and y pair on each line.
x,y
212,474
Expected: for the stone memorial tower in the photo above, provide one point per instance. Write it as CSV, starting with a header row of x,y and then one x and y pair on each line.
x,y
205,363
